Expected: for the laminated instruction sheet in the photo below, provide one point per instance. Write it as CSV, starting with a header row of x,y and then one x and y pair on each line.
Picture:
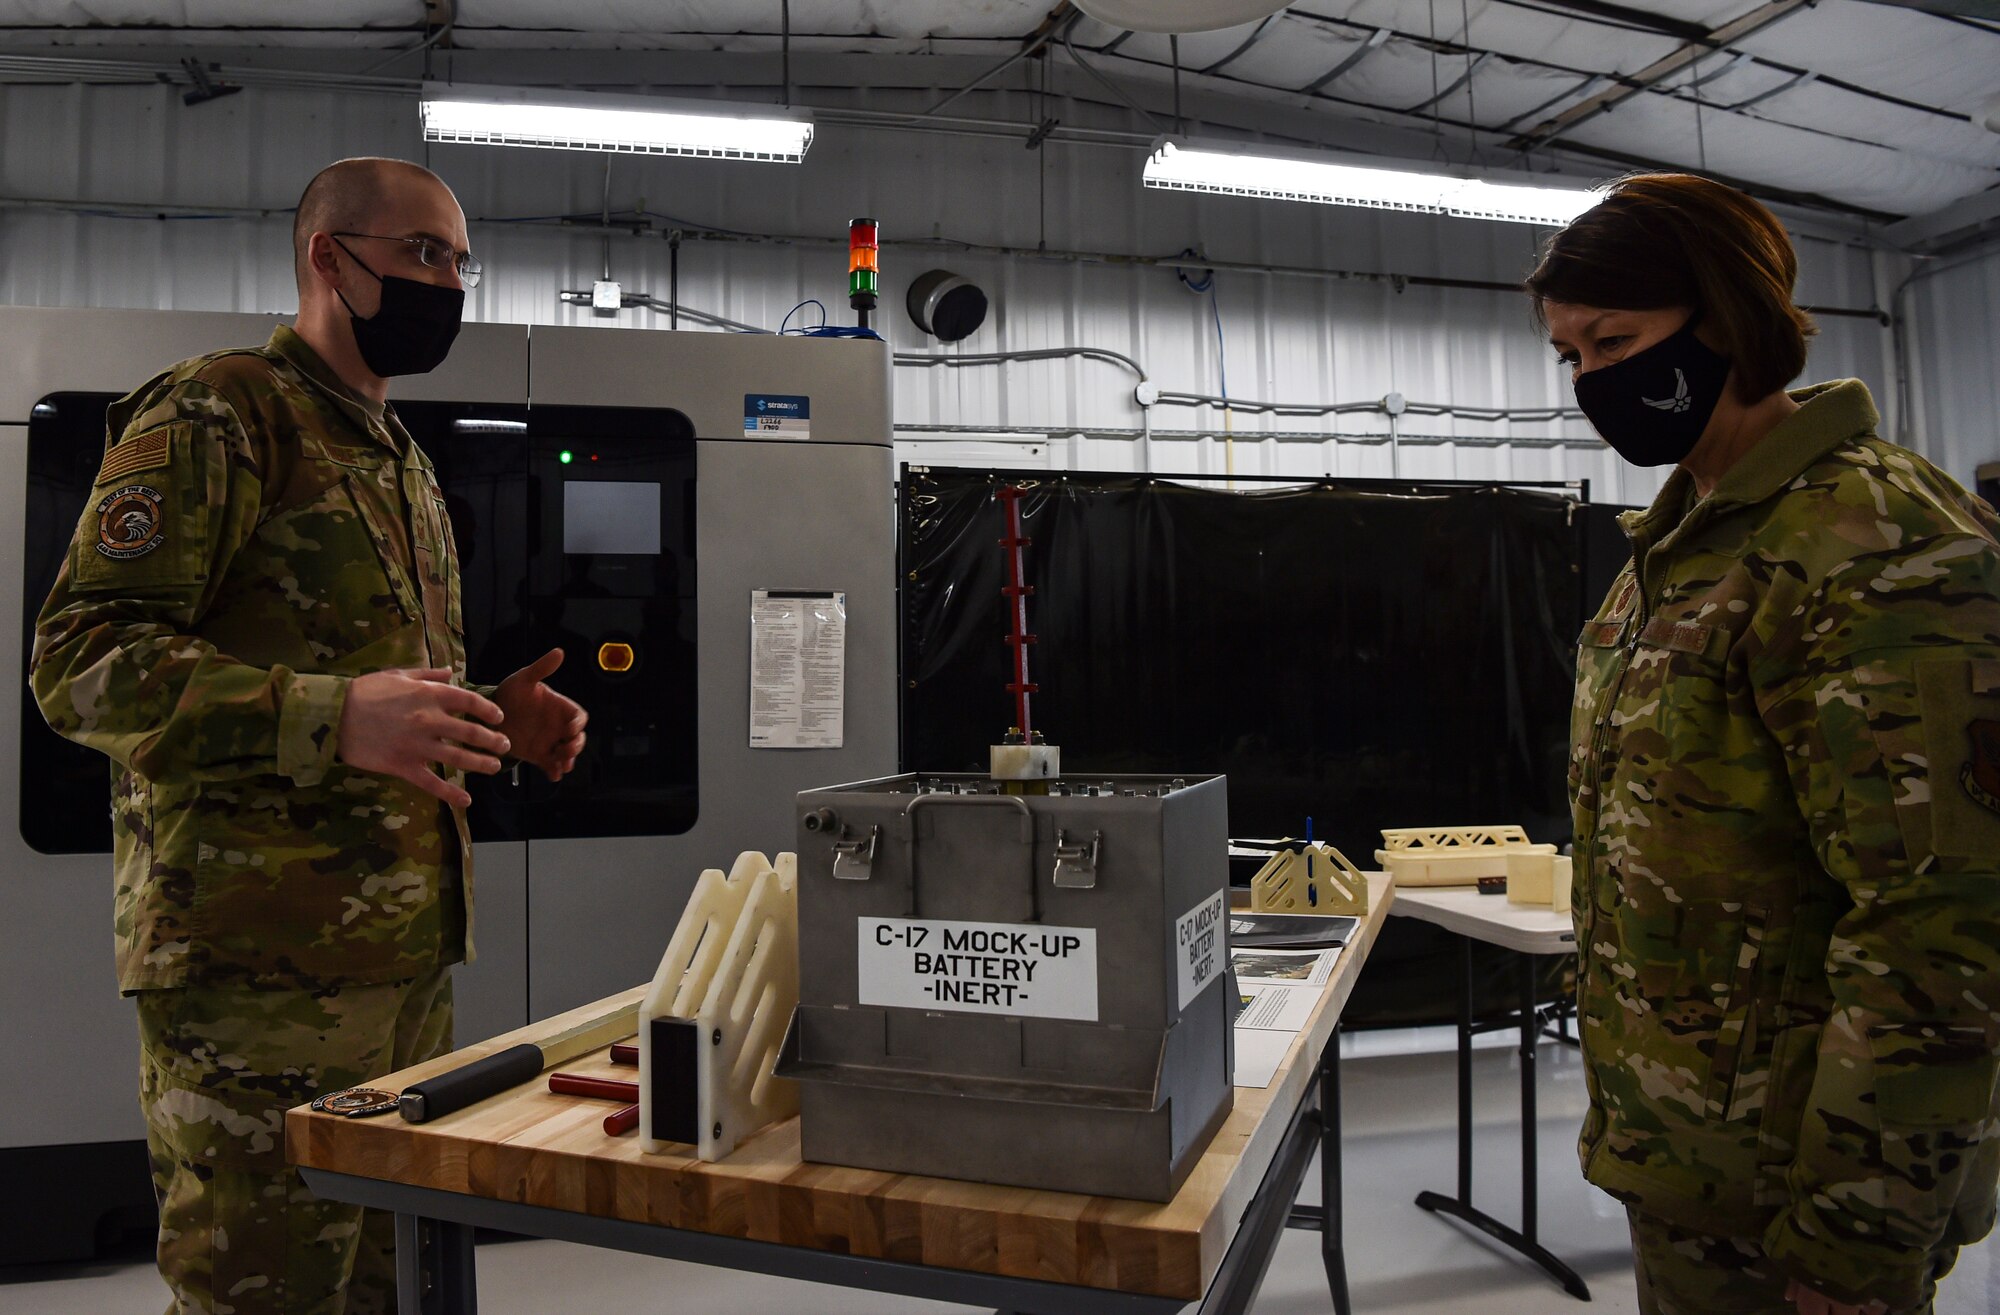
x,y
1276,993
798,668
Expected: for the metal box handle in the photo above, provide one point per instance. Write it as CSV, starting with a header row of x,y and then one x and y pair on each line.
x,y
857,854
990,801
961,800
1076,860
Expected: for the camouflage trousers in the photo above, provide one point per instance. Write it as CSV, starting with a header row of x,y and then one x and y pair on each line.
x,y
1688,1273
219,1065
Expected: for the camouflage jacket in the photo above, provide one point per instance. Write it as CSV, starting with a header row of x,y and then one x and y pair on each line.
x,y
1786,787
257,537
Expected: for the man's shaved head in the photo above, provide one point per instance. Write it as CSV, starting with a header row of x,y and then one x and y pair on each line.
x,y
347,197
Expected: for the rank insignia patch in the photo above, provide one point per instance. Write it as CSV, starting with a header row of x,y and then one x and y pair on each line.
x,y
128,523
1981,774
1622,608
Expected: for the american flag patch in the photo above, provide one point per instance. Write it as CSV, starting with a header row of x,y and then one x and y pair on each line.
x,y
142,453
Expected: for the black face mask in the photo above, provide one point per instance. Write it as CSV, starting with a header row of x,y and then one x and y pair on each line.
x,y
412,331
1651,407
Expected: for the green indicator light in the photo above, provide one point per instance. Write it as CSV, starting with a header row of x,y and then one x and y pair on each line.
x,y
566,457
861,282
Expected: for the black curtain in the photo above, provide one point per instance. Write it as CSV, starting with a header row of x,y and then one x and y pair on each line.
x,y
1368,654
1364,654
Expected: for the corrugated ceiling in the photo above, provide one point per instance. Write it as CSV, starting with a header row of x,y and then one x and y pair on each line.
x,y
1867,107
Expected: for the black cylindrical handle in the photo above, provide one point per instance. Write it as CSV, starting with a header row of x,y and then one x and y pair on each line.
x,y
450,1092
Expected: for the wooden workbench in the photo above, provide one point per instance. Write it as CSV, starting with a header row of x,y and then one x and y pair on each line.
x,y
540,1149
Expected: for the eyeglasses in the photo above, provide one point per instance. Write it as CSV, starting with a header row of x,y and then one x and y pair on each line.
x,y
436,255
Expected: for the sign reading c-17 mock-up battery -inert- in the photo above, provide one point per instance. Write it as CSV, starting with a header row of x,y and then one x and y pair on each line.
x,y
1198,947
1021,969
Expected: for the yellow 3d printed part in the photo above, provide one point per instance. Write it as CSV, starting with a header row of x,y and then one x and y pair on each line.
x,y
1309,879
710,1027
1542,880
1452,855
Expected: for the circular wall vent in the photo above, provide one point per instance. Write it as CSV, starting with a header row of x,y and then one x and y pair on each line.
x,y
946,305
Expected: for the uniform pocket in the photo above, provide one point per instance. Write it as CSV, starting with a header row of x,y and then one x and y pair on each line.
x,y
1598,653
376,505
321,571
1960,703
1735,1033
1935,1092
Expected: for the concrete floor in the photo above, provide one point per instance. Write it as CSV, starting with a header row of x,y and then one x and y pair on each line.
x,y
1398,1094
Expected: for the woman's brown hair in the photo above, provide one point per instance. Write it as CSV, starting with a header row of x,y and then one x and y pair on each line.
x,y
1665,239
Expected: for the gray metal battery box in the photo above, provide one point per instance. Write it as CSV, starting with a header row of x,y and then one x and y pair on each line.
x,y
1030,990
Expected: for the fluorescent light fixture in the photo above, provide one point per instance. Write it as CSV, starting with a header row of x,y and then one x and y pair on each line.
x,y
642,125
1333,180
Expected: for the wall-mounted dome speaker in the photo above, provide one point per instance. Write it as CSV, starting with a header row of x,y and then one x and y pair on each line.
x,y
946,305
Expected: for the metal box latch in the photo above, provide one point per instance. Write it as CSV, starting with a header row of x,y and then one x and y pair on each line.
x,y
1076,861
854,858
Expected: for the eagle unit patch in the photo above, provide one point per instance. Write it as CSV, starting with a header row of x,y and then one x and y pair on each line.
x,y
128,523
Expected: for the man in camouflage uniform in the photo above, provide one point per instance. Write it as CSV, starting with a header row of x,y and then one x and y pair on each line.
x,y
1788,845
258,622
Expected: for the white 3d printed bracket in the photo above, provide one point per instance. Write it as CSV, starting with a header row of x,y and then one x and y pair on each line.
x,y
711,1025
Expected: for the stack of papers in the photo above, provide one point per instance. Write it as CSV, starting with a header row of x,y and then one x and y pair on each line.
x,y
1304,931
1276,992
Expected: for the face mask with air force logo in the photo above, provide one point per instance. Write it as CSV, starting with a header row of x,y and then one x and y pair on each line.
x,y
1652,406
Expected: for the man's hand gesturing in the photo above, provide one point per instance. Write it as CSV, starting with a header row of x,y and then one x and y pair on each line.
x,y
547,727
401,722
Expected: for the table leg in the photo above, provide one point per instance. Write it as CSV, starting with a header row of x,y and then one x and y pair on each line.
x,y
1332,1240
1325,1218
1465,1073
1530,1025
1461,1207
1270,1212
435,1267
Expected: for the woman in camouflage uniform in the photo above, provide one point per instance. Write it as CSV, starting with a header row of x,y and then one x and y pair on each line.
x,y
1786,790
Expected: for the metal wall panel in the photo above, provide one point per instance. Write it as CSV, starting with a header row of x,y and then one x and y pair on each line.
x,y
1954,316
1283,336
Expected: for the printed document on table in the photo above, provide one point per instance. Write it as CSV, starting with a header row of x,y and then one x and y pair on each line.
x,y
1310,968
1263,1006
1258,1055
1268,1017
798,669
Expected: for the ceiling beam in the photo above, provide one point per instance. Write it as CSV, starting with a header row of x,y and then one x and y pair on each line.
x,y
1659,70
1359,53
1796,80
1588,84
1057,21
1986,9
439,16
1624,16
1248,41
1438,98
1962,221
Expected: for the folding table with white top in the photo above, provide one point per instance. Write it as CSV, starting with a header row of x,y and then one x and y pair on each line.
x,y
1528,931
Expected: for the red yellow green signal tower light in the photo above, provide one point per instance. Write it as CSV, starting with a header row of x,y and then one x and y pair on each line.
x,y
862,281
